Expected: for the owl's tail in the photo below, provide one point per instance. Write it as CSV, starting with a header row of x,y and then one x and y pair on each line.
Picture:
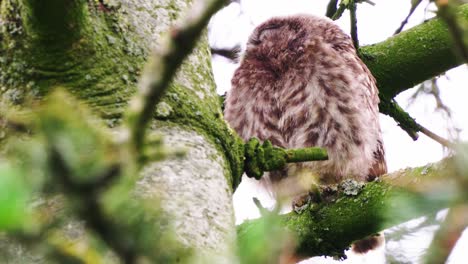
x,y
369,243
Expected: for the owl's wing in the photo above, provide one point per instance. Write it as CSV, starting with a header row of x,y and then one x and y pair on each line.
x,y
379,167
370,94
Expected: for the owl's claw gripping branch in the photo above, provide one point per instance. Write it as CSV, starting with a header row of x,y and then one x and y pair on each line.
x,y
266,157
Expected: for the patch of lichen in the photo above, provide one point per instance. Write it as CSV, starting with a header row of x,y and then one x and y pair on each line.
x,y
95,67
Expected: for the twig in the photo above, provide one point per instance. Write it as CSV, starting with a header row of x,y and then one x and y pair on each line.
x,y
266,157
263,211
331,8
163,66
444,142
339,12
96,220
408,124
354,29
229,53
414,5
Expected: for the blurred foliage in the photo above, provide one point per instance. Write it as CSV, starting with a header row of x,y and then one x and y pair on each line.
x,y
14,196
66,192
266,240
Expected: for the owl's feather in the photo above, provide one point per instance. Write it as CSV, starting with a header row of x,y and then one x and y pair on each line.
x,y
302,84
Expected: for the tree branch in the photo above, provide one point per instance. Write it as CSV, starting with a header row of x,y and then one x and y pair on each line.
x,y
331,8
330,227
413,56
414,5
266,157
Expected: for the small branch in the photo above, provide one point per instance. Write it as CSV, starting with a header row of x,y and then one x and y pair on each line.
x,y
339,12
87,198
403,119
444,142
354,29
414,5
331,8
266,157
306,154
448,235
229,53
163,66
409,124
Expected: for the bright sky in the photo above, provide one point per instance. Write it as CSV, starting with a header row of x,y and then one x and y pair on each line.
x,y
375,23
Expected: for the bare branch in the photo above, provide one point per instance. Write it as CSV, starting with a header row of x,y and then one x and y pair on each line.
x,y
408,123
414,5
353,18
229,53
331,8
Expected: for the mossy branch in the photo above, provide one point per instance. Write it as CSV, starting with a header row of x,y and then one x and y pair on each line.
x,y
403,119
414,55
330,227
266,157
331,8
409,124
163,66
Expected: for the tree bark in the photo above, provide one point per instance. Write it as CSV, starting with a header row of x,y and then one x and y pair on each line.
x,y
96,51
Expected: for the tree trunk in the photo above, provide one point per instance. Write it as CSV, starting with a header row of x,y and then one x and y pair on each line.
x,y
96,51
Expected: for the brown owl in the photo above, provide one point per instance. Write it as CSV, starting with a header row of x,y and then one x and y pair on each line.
x,y
302,84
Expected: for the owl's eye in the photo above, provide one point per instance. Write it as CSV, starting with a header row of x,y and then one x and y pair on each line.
x,y
260,33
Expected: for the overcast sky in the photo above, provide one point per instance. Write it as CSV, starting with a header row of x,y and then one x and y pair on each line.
x,y
375,23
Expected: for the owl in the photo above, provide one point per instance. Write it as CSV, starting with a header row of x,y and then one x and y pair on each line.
x,y
301,84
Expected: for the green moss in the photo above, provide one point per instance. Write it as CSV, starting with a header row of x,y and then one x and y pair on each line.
x,y
413,56
101,65
194,113
329,228
95,66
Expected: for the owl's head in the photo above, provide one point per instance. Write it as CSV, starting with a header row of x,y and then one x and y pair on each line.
x,y
284,41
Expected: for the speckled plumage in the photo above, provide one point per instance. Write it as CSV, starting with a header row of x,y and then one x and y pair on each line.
x,y
300,84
